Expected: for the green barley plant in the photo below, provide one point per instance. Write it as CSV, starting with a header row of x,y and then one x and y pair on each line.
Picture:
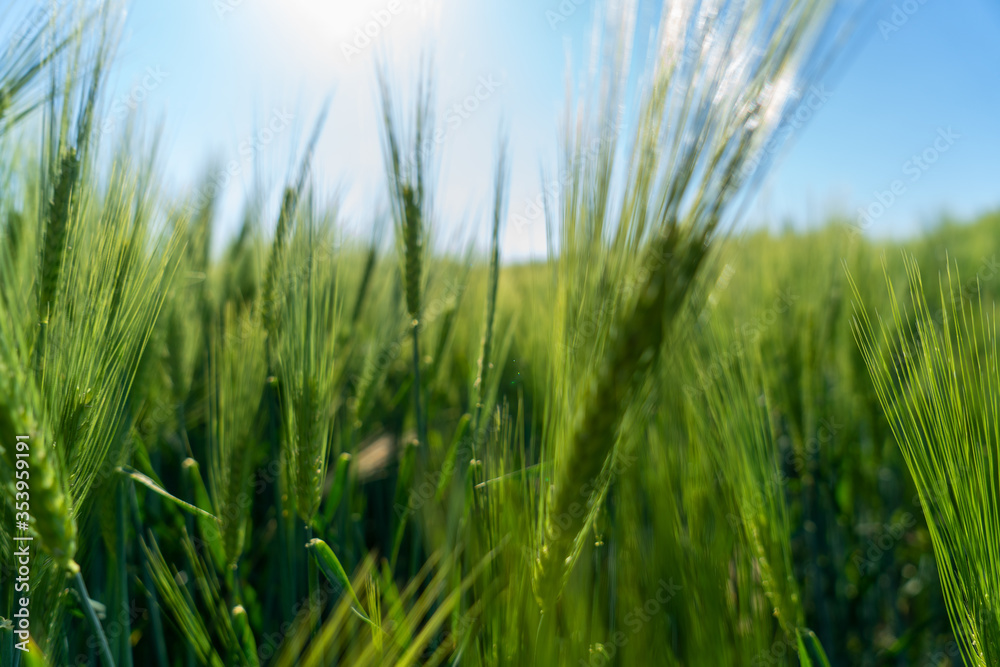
x,y
701,126
286,220
22,415
408,168
84,359
661,444
237,373
483,402
937,382
28,55
308,372
206,622
741,441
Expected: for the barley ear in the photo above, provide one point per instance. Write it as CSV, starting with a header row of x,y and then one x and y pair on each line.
x,y
281,232
634,343
413,243
237,376
485,361
56,232
51,517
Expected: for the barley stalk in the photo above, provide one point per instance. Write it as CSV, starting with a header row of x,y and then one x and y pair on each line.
x,y
485,361
307,368
237,376
634,344
407,173
412,263
701,125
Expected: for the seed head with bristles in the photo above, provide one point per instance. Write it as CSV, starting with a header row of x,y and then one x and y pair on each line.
x,y
51,517
723,78
56,230
285,219
237,375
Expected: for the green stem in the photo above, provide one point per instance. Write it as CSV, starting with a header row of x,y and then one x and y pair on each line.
x,y
124,645
313,585
423,453
188,494
147,582
315,610
95,625
421,422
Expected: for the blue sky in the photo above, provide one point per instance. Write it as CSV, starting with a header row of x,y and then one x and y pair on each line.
x,y
219,71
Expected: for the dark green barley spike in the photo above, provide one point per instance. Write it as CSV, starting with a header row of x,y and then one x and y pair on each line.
x,y
672,262
412,237
56,232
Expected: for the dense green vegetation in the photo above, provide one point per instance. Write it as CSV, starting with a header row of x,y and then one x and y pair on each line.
x,y
666,444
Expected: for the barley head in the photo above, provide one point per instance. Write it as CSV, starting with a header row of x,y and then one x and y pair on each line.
x,y
413,244
51,517
56,232
238,374
270,294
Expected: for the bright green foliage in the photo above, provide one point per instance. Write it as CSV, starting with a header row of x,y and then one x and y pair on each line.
x,y
938,381
237,372
661,444
307,364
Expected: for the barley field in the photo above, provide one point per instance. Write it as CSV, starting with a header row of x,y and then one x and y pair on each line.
x,y
672,441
